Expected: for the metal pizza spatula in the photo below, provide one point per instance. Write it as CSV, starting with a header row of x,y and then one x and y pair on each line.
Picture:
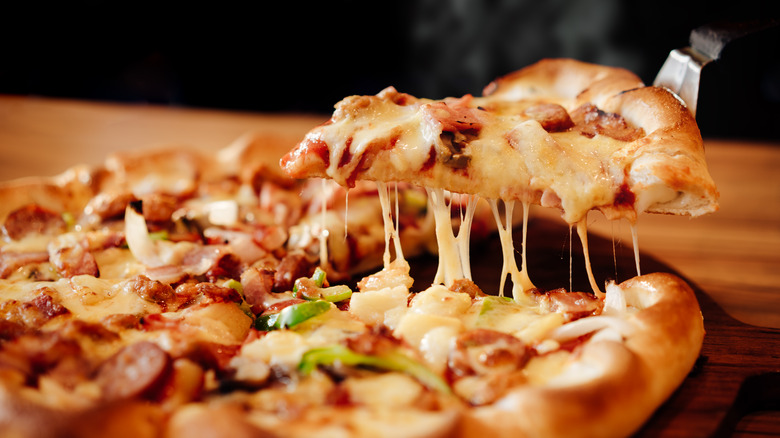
x,y
681,73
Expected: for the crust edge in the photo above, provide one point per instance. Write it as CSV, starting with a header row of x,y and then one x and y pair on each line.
x,y
632,387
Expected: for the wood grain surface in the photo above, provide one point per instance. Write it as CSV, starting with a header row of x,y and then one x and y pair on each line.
x,y
732,257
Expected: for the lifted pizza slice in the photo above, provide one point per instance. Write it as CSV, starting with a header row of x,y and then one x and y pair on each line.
x,y
560,133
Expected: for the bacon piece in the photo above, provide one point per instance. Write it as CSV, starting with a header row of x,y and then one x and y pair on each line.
x,y
70,261
138,370
258,285
467,286
153,291
34,313
292,267
590,120
32,219
551,116
227,266
158,207
11,261
210,291
483,351
572,305
109,205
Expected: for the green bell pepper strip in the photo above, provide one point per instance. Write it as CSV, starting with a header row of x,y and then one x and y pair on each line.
x,y
159,235
318,277
391,361
335,294
292,315
235,285
266,323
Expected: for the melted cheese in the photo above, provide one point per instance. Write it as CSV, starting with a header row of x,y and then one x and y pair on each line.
x,y
582,172
582,231
453,263
324,231
391,227
463,239
520,280
635,241
92,299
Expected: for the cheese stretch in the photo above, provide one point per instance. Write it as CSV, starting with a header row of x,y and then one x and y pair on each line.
x,y
453,249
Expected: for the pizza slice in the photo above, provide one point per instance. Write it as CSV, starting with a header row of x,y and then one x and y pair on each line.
x,y
562,134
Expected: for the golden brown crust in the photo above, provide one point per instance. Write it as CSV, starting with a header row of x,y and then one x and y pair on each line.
x,y
69,191
563,79
630,384
666,168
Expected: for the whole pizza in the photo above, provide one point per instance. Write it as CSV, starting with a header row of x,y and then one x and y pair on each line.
x,y
179,294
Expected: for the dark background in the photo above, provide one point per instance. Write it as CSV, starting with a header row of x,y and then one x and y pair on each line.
x,y
287,56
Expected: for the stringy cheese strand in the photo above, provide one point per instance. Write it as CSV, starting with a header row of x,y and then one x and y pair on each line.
x,y
450,264
507,246
525,280
635,239
582,231
399,253
324,231
384,202
464,235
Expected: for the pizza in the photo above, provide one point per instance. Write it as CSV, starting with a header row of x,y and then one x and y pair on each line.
x,y
173,293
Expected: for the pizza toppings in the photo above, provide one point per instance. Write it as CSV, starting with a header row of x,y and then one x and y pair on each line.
x,y
389,360
551,116
32,219
590,121
215,298
137,370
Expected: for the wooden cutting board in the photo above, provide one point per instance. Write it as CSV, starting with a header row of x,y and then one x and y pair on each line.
x,y
738,371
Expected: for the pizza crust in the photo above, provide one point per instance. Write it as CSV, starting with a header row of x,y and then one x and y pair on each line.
x,y
68,191
629,385
665,169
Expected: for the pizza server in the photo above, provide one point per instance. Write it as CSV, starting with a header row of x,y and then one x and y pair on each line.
x,y
730,74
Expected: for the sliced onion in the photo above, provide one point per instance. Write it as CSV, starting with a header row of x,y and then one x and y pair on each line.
x,y
222,212
239,243
615,301
141,245
591,324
